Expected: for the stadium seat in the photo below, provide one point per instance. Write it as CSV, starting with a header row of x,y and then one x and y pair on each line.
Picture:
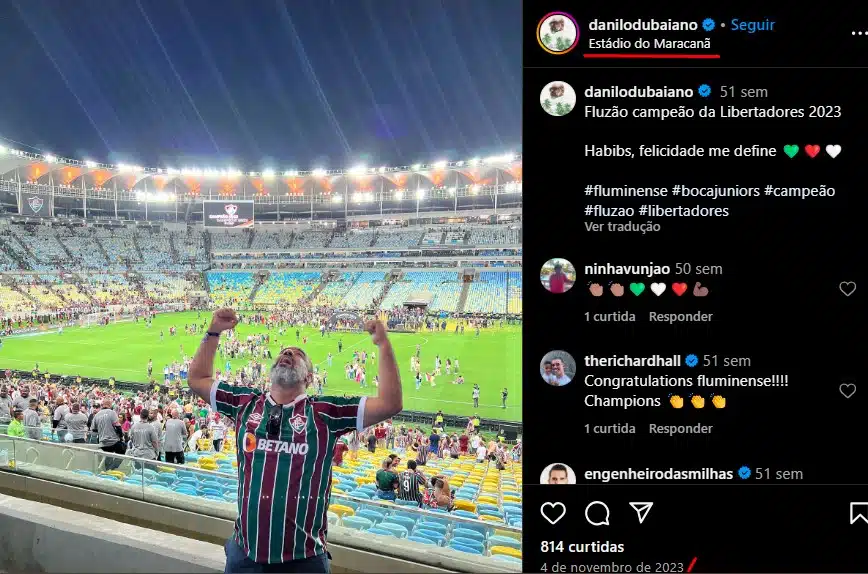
x,y
505,550
405,521
372,515
356,522
421,540
399,530
342,510
435,537
509,559
467,533
497,540
382,532
467,549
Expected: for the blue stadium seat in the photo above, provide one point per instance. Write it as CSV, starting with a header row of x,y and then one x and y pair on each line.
x,y
421,540
467,549
372,515
468,533
382,532
433,536
405,521
357,522
399,530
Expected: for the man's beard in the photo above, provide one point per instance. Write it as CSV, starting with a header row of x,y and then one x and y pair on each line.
x,y
287,377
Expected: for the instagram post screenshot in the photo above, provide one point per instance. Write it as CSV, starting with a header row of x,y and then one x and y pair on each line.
x,y
694,378
262,278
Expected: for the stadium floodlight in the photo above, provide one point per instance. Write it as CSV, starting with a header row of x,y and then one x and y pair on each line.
x,y
90,164
337,198
357,197
290,173
369,196
319,172
233,173
399,195
518,187
357,170
172,197
451,191
50,158
253,174
459,164
473,161
441,164
474,189
2,149
420,194
417,166
383,169
172,171
268,174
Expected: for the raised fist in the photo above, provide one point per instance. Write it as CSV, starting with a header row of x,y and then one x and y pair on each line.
x,y
223,320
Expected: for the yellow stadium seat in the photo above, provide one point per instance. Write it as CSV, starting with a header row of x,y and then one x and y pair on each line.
x,y
510,498
206,459
234,464
219,456
487,499
337,490
341,510
488,518
116,473
461,504
360,480
506,551
166,469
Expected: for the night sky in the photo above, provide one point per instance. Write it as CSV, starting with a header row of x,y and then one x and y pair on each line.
x,y
256,84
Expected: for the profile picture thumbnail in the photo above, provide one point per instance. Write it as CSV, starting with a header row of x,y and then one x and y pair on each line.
x,y
557,33
557,98
557,368
557,473
557,275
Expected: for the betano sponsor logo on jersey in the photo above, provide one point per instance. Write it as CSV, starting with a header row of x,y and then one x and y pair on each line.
x,y
252,443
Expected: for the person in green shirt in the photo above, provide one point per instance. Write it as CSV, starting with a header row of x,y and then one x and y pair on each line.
x,y
16,425
386,481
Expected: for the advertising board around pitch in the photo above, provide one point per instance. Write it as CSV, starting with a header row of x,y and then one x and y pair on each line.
x,y
228,214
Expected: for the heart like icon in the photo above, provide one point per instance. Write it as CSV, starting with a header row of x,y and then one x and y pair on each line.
x,y
679,288
833,150
791,150
847,287
637,288
550,508
847,389
699,290
658,288
812,150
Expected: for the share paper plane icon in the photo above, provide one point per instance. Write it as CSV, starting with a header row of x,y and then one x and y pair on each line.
x,y
642,509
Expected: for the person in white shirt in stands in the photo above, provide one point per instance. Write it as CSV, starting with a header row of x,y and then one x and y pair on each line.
x,y
481,452
218,431
193,443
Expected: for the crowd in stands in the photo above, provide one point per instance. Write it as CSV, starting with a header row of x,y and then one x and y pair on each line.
x,y
383,476
47,268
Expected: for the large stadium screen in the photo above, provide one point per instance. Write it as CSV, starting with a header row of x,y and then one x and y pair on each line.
x,y
35,205
228,214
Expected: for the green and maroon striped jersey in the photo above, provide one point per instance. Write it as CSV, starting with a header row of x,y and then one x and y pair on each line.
x,y
284,481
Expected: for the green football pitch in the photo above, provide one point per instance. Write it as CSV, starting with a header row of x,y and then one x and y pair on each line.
x,y
122,351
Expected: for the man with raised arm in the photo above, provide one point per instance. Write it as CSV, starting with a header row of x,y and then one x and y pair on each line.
x,y
285,441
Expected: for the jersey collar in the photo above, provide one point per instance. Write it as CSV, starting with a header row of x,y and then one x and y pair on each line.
x,y
297,400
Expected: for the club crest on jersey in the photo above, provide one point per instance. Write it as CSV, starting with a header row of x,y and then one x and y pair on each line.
x,y
254,420
298,423
36,204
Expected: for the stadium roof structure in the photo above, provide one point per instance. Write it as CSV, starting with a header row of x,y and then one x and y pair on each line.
x,y
64,175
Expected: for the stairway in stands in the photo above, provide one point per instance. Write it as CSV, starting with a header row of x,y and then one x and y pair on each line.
x,y
173,249
260,278
64,247
12,253
325,278
101,249
83,287
27,250
251,235
136,245
462,299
